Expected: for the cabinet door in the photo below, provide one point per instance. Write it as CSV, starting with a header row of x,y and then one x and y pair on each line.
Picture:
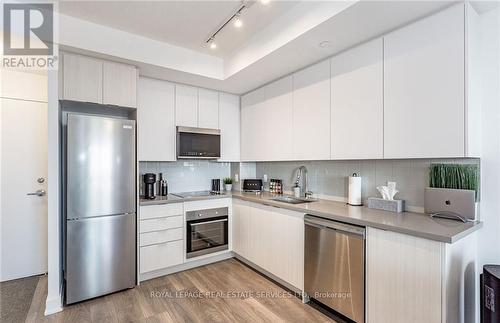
x,y
277,120
240,228
403,278
311,112
82,78
357,116
155,120
229,124
253,137
424,88
208,109
186,106
119,84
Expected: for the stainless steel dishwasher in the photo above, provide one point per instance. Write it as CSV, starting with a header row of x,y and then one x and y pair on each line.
x,y
334,272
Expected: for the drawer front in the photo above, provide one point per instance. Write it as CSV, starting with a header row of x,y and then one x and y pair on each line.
x,y
161,256
159,224
156,237
158,211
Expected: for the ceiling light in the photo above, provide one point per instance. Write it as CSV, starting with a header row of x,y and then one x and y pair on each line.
x,y
237,21
212,43
264,2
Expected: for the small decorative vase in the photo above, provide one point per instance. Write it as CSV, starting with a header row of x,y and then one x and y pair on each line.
x,y
229,187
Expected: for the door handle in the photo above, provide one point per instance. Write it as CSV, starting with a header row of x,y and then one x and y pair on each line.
x,y
38,193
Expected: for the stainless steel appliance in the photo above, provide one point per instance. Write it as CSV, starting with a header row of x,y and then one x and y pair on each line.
x,y
207,231
100,206
216,185
334,272
252,185
198,143
149,180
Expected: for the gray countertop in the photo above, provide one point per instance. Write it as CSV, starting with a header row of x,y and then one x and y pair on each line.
x,y
176,199
415,224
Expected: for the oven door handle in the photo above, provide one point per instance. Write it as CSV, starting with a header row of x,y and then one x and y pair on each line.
x,y
214,221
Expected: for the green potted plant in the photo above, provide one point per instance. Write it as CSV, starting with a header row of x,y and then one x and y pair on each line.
x,y
228,184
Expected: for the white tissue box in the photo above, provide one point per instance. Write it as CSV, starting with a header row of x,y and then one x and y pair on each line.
x,y
386,205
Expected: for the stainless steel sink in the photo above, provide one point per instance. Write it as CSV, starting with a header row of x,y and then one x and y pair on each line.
x,y
293,200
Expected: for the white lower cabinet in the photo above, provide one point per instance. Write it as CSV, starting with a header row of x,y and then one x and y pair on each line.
x,y
161,237
412,279
271,238
162,255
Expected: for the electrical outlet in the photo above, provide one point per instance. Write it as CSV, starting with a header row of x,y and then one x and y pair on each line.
x,y
265,178
236,178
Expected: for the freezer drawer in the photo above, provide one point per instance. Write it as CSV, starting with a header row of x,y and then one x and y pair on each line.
x,y
100,256
334,261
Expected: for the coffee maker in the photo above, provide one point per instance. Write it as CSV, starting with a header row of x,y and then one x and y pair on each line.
x,y
149,186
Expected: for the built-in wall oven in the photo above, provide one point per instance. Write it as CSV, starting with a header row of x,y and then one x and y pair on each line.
x,y
207,231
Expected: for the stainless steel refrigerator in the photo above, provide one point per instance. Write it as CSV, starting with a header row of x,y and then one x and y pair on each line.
x,y
100,217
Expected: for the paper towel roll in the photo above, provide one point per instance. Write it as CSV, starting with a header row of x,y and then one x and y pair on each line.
x,y
354,197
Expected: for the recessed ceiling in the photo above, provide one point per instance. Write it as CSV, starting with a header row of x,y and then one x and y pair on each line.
x,y
186,24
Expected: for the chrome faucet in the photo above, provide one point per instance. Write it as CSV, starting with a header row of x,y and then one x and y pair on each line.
x,y
302,175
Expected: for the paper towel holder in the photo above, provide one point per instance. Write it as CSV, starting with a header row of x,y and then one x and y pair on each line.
x,y
354,194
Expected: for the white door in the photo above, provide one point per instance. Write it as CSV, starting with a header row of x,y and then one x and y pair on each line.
x,y
424,101
229,124
253,136
82,78
186,106
119,83
156,120
208,109
357,116
311,112
277,120
23,170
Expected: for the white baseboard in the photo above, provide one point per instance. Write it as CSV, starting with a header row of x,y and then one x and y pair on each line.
x,y
53,305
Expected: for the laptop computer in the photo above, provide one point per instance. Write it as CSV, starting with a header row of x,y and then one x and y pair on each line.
x,y
450,203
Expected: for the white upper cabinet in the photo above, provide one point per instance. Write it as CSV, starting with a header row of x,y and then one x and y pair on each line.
x,y
357,103
82,78
208,109
156,120
119,84
93,80
186,106
229,124
311,112
424,88
277,120
253,137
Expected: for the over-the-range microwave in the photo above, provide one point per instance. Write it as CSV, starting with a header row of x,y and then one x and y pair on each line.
x,y
198,143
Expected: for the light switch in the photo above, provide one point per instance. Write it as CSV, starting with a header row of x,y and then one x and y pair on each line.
x,y
265,178
236,178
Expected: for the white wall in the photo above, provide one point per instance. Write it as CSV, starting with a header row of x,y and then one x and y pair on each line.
x,y
53,303
489,239
489,235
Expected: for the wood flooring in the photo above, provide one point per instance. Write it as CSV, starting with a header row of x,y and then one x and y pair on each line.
x,y
226,291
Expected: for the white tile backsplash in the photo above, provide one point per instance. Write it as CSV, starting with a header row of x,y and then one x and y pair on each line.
x,y
330,177
187,176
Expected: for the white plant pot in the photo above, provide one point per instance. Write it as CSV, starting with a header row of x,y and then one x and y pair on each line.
x,y
229,187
